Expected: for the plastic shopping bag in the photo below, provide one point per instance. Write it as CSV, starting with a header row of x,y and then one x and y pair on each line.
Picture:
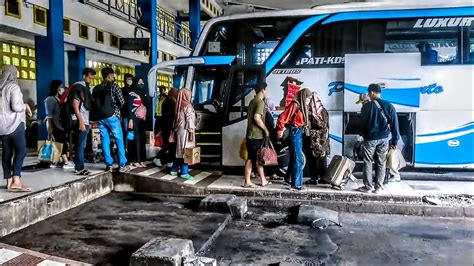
x,y
243,152
395,160
49,151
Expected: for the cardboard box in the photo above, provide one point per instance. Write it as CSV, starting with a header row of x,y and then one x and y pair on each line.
x,y
150,138
192,155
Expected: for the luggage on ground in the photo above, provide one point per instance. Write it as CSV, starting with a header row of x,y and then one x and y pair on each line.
x,y
339,171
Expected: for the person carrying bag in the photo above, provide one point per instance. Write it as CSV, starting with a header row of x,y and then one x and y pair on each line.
x,y
49,151
267,155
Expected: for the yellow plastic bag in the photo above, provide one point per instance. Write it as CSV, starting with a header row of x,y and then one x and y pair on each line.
x,y
243,152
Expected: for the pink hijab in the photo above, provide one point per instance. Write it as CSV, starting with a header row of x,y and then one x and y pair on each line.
x,y
183,100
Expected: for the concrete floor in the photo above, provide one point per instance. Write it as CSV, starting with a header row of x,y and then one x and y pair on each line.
x,y
108,230
364,239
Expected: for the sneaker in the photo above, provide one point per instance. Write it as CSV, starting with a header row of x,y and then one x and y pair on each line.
x,y
378,190
157,162
187,177
54,165
394,180
174,173
276,177
364,189
68,165
124,169
82,172
109,168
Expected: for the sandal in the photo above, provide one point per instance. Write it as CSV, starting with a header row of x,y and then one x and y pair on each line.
x,y
267,184
249,186
22,189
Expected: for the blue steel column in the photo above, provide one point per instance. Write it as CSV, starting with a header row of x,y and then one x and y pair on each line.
x,y
194,20
149,21
49,58
77,63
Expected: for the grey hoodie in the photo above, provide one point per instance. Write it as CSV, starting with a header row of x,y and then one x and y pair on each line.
x,y
12,108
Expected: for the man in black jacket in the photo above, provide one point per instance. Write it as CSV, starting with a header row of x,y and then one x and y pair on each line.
x,y
108,100
379,121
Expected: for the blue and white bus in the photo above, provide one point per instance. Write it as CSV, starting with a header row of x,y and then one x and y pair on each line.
x,y
424,54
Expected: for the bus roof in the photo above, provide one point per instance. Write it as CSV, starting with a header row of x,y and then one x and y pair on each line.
x,y
335,8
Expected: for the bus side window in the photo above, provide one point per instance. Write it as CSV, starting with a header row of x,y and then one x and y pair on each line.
x,y
438,40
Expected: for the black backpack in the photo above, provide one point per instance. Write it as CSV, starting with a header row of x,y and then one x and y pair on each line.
x,y
65,107
102,102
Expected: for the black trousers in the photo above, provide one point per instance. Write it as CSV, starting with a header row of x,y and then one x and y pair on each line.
x,y
317,166
168,151
61,136
137,146
14,147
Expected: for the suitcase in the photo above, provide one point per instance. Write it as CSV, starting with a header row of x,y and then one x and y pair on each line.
x,y
339,171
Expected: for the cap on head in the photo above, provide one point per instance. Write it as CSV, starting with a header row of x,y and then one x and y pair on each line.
x,y
364,97
375,88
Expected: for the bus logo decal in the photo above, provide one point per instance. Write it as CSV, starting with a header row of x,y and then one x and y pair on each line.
x,y
335,87
432,89
453,143
443,22
286,71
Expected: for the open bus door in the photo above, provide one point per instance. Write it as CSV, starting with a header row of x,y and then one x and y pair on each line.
x,y
399,75
237,96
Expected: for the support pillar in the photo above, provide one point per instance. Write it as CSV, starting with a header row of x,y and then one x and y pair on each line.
x,y
149,21
49,58
77,63
194,20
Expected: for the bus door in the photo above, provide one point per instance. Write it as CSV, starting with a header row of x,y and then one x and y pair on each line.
x,y
237,96
400,78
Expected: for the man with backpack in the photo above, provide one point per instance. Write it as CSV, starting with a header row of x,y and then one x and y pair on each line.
x,y
108,101
379,120
75,109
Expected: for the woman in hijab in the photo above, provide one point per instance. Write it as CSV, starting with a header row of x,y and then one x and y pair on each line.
x,y
184,126
168,109
12,129
53,121
136,110
296,116
318,140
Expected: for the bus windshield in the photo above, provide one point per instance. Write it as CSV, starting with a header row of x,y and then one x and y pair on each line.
x,y
250,40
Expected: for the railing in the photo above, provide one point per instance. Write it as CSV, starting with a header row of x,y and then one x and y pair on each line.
x,y
168,28
126,9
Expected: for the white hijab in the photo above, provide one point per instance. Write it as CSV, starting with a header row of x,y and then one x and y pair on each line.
x,y
9,74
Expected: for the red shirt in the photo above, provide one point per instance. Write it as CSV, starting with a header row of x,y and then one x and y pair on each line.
x,y
291,112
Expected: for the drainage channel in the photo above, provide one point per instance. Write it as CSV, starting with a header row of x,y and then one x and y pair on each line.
x,y
98,226
151,229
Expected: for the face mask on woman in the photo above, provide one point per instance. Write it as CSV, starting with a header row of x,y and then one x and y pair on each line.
x,y
141,86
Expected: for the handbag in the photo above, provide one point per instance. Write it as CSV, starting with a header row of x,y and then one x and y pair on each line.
x,y
140,112
49,151
159,140
266,155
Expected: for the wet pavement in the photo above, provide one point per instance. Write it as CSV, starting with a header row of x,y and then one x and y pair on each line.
x,y
364,239
108,230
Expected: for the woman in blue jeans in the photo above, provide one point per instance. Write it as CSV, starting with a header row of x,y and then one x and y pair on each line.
x,y
296,117
12,129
